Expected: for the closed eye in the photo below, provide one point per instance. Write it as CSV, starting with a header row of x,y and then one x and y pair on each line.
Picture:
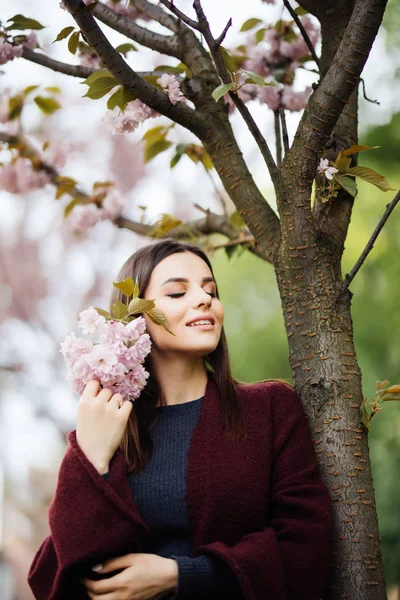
x,y
183,293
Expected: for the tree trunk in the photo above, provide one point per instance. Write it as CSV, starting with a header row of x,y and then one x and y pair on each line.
x,y
326,375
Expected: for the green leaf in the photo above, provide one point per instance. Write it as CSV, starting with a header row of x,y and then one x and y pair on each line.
x,y
237,220
165,225
65,188
47,105
227,58
70,206
299,10
365,417
255,78
53,89
100,73
158,317
139,305
64,33
175,159
343,163
260,33
125,48
250,24
136,289
155,133
119,310
102,312
153,149
371,176
101,87
169,69
221,90
185,68
347,183
30,89
356,149
120,98
73,42
21,22
126,287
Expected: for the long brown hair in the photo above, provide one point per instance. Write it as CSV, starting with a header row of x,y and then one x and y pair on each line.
x,y
137,443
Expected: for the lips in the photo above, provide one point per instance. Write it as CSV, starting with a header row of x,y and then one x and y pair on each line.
x,y
202,318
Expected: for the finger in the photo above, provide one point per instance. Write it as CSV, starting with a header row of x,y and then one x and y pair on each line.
x,y
120,562
91,388
116,401
104,395
126,408
101,586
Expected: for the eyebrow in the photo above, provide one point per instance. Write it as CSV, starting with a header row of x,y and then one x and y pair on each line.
x,y
182,279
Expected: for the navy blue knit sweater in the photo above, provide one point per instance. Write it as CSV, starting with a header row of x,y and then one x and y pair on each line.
x,y
160,494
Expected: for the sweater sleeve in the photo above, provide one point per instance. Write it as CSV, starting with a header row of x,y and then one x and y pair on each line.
x,y
82,508
205,577
290,558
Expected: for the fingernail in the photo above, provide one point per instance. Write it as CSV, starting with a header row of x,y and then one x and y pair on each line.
x,y
97,568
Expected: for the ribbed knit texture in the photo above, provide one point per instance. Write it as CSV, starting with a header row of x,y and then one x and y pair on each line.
x,y
160,494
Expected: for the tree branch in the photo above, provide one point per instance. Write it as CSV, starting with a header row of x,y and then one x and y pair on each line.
x,y
56,65
285,136
303,32
203,27
278,139
125,75
165,44
157,14
389,209
332,94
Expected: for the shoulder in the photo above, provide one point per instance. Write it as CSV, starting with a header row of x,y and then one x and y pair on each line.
x,y
275,394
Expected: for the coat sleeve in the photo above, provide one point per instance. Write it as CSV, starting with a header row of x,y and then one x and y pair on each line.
x,y
290,558
91,519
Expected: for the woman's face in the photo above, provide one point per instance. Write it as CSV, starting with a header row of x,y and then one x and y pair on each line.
x,y
183,288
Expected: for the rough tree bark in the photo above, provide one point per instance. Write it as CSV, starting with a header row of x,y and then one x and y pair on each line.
x,y
304,245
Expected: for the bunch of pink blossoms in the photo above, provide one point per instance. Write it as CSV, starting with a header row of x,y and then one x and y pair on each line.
x,y
10,51
85,216
135,112
19,177
115,361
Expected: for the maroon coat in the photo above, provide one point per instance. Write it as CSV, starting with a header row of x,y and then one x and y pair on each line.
x,y
258,504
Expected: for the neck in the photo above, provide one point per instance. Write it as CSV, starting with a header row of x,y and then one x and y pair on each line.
x,y
180,380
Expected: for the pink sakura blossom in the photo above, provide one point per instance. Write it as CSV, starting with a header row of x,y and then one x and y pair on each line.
x,y
8,51
84,217
257,58
55,154
19,177
117,365
324,168
270,96
170,85
113,204
298,48
31,41
295,101
135,112
88,59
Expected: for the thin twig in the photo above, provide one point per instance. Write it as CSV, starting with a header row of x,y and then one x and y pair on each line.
x,y
303,32
389,209
178,13
221,37
220,196
285,136
240,240
278,139
157,14
365,93
203,27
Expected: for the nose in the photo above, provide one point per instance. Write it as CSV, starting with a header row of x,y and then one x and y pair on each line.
x,y
204,298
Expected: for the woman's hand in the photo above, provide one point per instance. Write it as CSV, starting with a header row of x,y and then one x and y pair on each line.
x,y
144,576
101,422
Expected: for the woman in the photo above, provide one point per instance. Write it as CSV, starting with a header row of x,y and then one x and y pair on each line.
x,y
204,487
